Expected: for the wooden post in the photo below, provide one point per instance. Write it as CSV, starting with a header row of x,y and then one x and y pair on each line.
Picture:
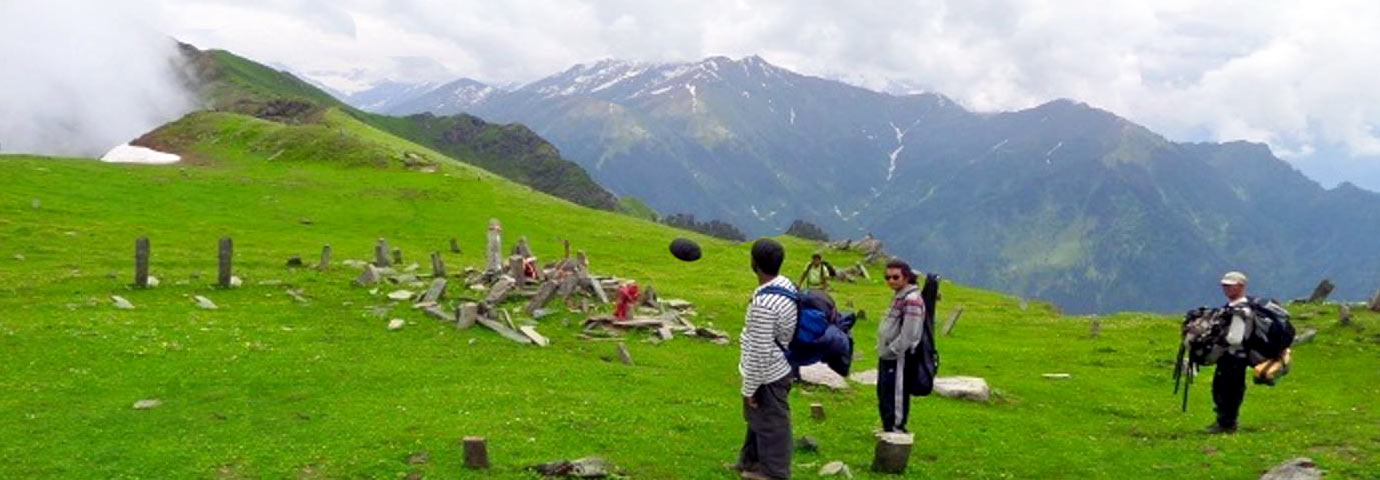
x,y
466,314
397,256
381,254
892,453
227,253
454,246
325,258
438,266
476,453
141,262
817,411
953,320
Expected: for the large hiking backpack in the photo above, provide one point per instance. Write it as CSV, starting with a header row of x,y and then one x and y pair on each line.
x,y
1272,333
816,337
922,361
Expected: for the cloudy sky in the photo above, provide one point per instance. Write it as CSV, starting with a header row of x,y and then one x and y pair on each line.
x,y
1301,76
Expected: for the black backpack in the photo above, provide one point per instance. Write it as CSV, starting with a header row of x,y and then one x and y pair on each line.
x,y
1273,332
922,362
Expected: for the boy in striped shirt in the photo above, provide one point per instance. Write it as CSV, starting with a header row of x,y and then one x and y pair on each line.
x,y
768,327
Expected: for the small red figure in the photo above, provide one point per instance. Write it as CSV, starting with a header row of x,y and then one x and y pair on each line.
x,y
627,298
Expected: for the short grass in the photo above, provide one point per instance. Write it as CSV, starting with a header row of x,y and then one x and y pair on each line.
x,y
267,387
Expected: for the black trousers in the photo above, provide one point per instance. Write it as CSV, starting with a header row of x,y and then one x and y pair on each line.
x,y
768,446
1229,388
893,403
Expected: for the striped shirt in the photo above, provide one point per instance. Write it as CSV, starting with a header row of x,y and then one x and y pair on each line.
x,y
903,326
769,325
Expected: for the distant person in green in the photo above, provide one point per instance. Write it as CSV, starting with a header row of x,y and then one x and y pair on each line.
x,y
816,275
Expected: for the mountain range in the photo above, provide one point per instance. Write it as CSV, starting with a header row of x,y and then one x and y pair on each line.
x,y
1063,201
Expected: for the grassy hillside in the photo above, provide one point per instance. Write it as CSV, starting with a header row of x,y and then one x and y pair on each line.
x,y
230,83
270,387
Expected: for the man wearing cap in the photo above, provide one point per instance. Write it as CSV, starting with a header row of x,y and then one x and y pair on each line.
x,y
1229,380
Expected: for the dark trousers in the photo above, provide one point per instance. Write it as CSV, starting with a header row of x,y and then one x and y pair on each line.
x,y
894,411
1229,388
768,446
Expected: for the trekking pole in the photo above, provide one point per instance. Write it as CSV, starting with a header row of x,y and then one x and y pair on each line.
x,y
1188,382
1178,367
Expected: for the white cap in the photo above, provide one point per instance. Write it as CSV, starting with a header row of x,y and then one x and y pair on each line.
x,y
1234,278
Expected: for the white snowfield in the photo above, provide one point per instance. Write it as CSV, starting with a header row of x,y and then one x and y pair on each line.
x,y
132,154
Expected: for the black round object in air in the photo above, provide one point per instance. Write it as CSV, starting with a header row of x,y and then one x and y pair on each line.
x,y
685,249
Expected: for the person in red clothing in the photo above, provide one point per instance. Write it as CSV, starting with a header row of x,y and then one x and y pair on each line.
x,y
627,299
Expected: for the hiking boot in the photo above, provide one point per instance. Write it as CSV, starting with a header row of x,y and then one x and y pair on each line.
x,y
1218,429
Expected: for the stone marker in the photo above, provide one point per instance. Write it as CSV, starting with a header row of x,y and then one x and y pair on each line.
x,y
965,388
542,297
892,453
435,292
1344,314
821,374
1375,302
147,403
623,354
454,246
476,453
1305,336
953,320
1321,292
1095,330
370,276
397,256
835,468
325,258
395,324
121,303
537,338
495,247
438,266
141,262
817,411
865,377
381,254
499,291
294,261
1296,469
205,303
466,314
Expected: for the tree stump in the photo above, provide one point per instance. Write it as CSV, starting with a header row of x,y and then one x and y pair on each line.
x,y
227,255
476,453
953,320
466,314
817,411
141,262
1321,292
381,254
325,258
892,453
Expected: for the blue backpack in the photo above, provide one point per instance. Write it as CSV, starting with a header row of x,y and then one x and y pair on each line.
x,y
813,322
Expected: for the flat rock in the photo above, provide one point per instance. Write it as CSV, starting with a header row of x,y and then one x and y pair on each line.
x,y
153,281
1306,336
1296,469
236,282
964,388
147,403
395,324
865,377
820,374
121,303
835,468
1057,376
588,467
400,295
370,276
205,303
807,444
